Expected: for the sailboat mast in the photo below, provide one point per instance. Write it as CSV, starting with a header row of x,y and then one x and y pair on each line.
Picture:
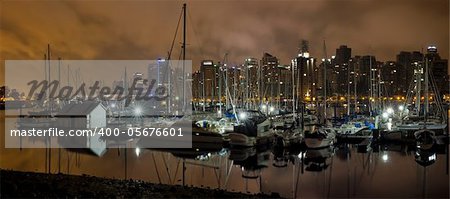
x,y
220,90
184,56
371,85
49,80
354,87
426,103
325,81
293,87
418,87
348,91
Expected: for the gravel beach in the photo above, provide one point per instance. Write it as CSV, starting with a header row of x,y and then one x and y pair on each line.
x,y
18,184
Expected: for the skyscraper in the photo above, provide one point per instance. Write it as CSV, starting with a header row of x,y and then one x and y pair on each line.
x,y
343,54
269,73
406,60
251,74
438,70
208,73
341,69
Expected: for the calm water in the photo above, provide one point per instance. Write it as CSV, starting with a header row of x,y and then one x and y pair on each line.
x,y
342,171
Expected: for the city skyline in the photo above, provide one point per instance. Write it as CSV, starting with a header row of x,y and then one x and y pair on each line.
x,y
241,29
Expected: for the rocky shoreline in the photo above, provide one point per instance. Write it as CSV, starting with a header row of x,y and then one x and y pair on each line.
x,y
19,184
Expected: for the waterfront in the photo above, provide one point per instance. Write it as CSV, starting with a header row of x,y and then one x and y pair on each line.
x,y
343,170
196,99
348,171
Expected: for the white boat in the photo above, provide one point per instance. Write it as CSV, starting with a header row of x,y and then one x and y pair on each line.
x,y
253,128
353,132
421,125
350,128
219,126
288,137
319,138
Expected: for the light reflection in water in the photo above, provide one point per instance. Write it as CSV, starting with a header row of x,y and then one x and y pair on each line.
x,y
393,170
314,173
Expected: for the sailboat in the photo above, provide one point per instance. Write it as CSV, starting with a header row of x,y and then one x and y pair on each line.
x,y
354,131
253,128
317,136
415,120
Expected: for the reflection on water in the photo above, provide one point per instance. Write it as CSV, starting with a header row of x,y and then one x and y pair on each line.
x,y
388,170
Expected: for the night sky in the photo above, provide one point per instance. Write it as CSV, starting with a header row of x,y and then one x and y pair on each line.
x,y
145,29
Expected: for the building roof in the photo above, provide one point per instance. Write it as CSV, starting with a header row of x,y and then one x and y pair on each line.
x,y
83,108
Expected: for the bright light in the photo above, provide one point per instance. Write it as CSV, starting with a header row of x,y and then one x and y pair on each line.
x,y
385,157
242,115
113,105
263,107
432,157
385,115
137,151
306,54
271,109
401,107
137,111
390,110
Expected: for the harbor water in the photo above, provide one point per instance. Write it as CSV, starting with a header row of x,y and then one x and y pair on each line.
x,y
345,170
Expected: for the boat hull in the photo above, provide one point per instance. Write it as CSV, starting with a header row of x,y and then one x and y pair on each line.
x,y
242,140
317,143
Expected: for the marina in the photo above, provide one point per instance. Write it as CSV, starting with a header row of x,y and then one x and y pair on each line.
x,y
355,123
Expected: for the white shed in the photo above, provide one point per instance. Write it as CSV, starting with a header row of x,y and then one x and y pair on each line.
x,y
80,116
83,115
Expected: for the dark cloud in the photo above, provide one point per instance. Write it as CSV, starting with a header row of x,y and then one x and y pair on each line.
x,y
145,29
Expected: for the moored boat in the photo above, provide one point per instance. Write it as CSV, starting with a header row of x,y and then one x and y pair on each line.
x,y
253,129
319,138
